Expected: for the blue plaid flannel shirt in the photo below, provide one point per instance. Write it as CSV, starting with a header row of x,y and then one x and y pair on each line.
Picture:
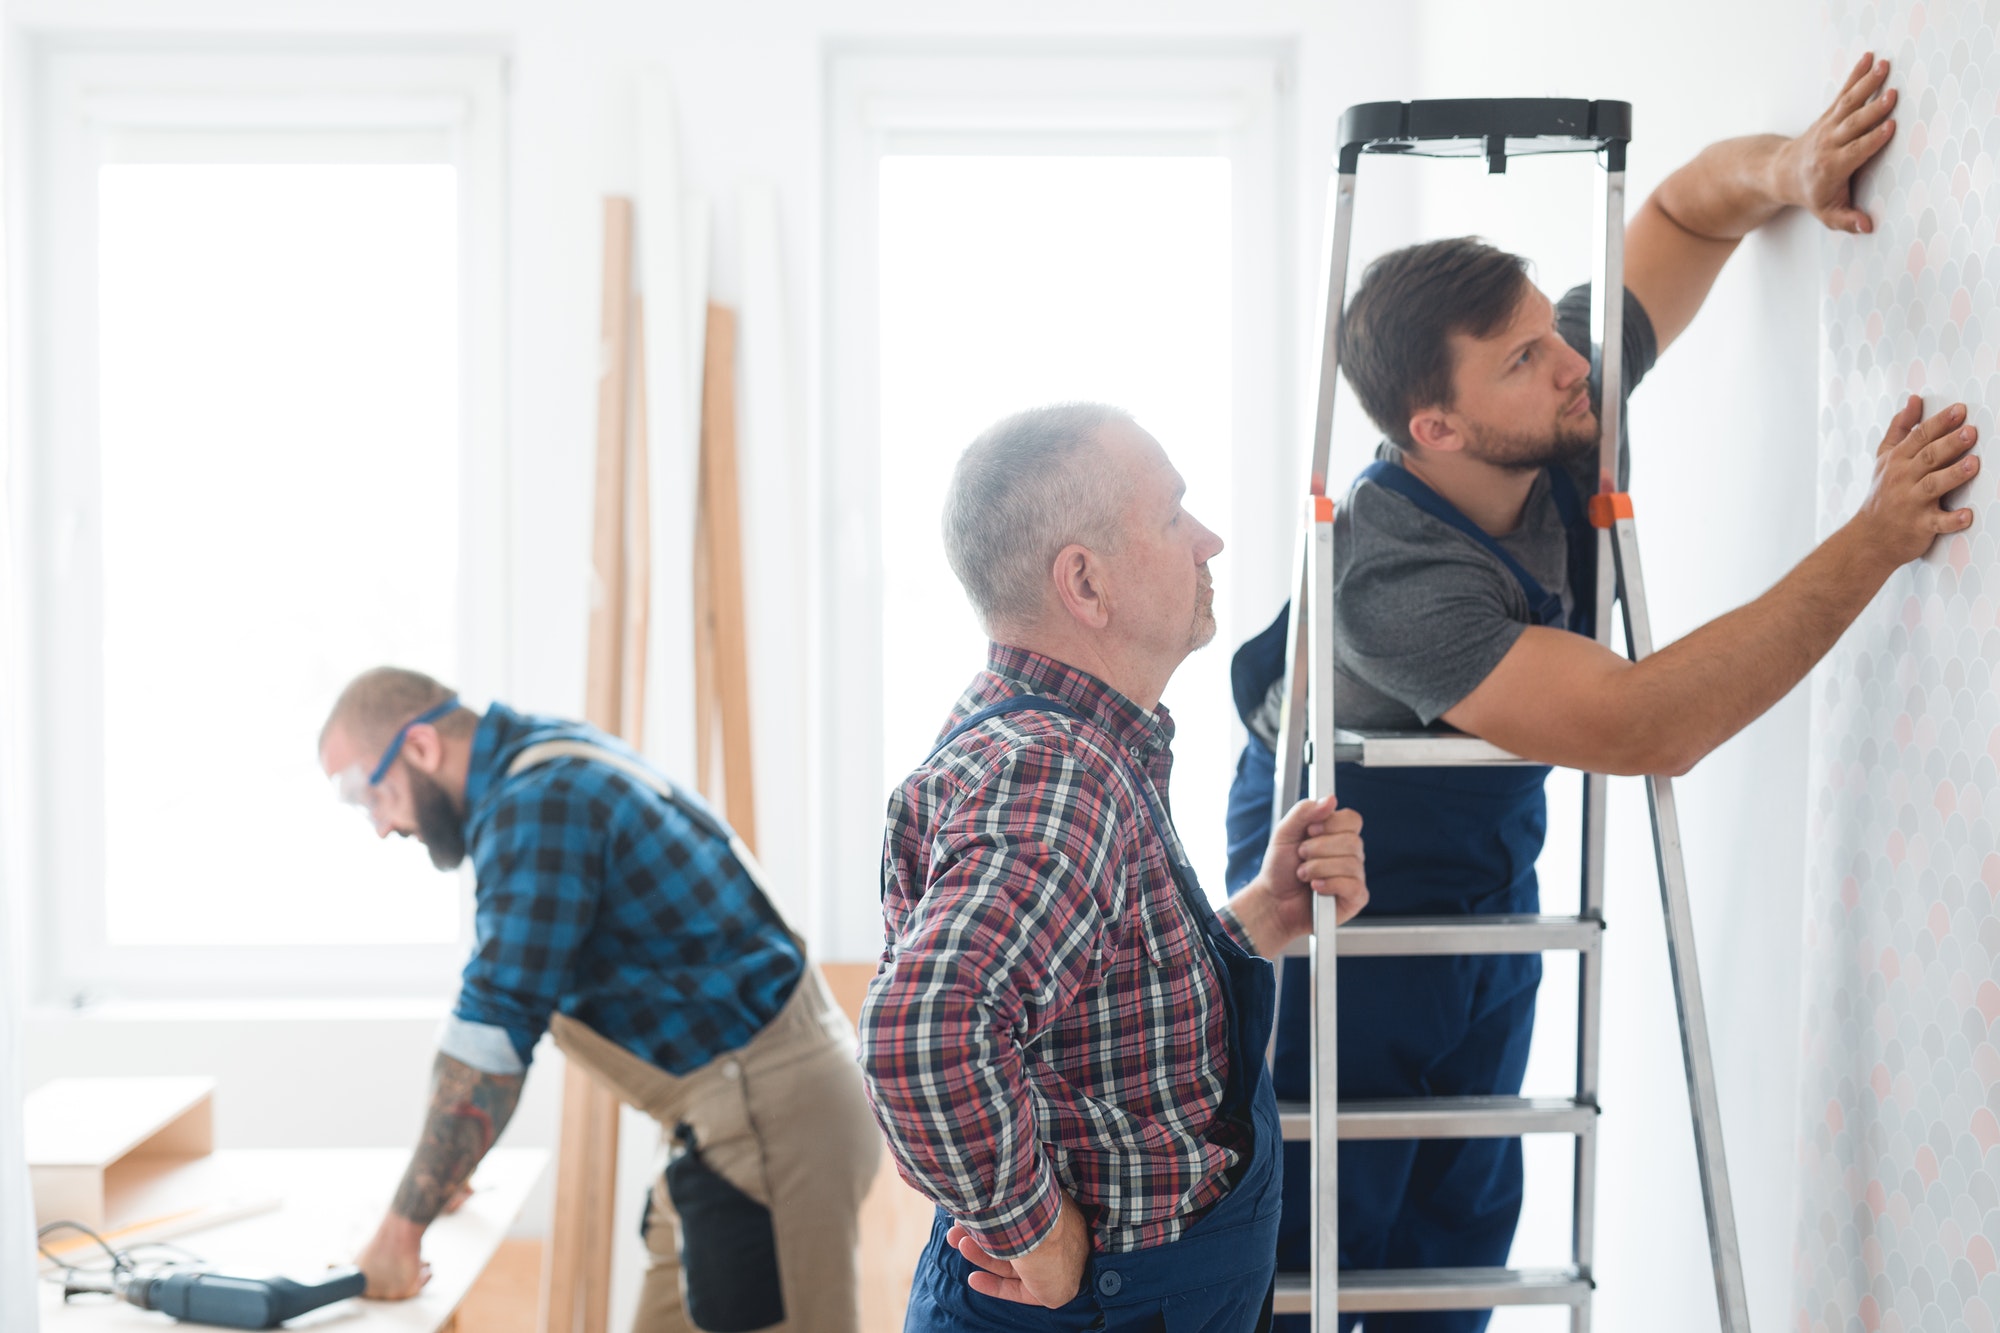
x,y
600,899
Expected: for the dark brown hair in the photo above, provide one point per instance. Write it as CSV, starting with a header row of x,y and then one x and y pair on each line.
x,y
1395,342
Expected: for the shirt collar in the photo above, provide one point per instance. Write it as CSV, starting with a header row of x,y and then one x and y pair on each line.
x,y
1137,729
491,749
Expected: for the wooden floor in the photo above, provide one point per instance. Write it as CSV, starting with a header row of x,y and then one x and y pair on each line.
x,y
895,1223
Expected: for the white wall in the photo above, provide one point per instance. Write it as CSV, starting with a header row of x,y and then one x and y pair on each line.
x,y
1723,439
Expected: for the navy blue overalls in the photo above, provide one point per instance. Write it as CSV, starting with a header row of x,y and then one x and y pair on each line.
x,y
1216,1278
1441,841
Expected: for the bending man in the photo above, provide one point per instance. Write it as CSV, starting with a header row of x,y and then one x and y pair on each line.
x,y
1064,1042
1464,584
619,914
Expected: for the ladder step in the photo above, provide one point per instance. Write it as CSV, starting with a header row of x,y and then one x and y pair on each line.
x,y
1378,1290
1409,936
1447,1118
1420,749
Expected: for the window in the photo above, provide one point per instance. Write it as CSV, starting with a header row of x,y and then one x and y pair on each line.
x,y
267,455
1009,232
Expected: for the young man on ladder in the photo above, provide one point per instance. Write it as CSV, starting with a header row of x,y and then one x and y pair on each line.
x,y
1464,563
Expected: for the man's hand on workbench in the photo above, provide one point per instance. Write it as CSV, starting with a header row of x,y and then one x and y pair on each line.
x,y
1819,165
393,1261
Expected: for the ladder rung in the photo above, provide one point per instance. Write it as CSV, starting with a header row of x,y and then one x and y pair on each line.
x,y
1447,1118
1409,936
1419,749
1378,1290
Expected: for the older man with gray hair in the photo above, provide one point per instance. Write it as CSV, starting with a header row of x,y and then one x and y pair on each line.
x,y
1064,1042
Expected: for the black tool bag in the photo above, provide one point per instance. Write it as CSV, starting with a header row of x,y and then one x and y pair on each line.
x,y
729,1253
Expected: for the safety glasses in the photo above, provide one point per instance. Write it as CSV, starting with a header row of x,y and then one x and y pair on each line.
x,y
358,789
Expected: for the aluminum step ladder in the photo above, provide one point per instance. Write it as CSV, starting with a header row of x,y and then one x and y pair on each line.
x,y
1495,130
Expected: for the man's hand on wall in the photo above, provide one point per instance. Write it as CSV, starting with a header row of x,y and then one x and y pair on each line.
x,y
1916,464
1820,164
1049,1275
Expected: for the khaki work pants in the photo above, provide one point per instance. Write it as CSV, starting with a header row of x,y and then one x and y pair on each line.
x,y
784,1121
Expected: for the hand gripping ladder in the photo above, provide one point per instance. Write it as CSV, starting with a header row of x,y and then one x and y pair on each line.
x,y
1494,129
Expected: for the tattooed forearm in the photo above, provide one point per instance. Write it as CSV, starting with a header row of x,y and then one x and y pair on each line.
x,y
468,1110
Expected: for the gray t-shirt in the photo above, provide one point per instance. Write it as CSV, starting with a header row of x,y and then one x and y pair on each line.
x,y
1422,612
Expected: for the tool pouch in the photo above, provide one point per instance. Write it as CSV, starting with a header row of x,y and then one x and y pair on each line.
x,y
729,1253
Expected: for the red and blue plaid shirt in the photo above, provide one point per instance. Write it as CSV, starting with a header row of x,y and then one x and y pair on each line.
x,y
1047,1015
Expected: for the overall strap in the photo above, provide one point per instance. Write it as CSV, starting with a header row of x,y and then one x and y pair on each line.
x,y
544,751
1019,703
1582,553
1543,605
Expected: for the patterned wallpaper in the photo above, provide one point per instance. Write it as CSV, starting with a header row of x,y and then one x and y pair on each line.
x,y
1899,1205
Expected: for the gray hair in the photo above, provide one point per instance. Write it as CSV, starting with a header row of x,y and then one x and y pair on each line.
x,y
1021,492
381,699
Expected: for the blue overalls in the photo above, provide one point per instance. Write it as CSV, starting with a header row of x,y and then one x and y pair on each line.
x,y
1441,841
1216,1278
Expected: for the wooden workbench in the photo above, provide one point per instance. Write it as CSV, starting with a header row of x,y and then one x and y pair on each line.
x,y
330,1203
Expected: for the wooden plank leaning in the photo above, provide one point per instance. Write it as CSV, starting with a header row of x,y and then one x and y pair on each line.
x,y
576,1274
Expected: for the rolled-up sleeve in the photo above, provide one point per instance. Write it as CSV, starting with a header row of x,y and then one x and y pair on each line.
x,y
1008,930
538,871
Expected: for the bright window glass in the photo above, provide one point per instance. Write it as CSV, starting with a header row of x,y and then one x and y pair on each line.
x,y
278,411
1008,282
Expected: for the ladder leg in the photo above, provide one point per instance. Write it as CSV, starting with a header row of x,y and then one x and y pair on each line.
x,y
1589,1013
1700,1065
1325,1057
1312,641
1329,351
1607,337
1291,716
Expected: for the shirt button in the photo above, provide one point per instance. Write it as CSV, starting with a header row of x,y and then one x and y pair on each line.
x,y
1109,1283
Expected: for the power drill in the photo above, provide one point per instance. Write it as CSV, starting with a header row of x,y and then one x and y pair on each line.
x,y
202,1297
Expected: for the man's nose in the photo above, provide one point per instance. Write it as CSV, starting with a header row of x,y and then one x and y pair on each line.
x,y
1576,366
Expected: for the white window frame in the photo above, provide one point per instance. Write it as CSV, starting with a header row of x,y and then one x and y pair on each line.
x,y
1219,98
87,104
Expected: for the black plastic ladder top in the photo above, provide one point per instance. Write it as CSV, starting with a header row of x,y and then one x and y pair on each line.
x,y
1495,128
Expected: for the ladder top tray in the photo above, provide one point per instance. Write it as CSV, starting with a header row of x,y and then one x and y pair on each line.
x,y
1469,127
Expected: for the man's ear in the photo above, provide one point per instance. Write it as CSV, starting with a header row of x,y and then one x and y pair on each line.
x,y
423,745
1079,583
1432,428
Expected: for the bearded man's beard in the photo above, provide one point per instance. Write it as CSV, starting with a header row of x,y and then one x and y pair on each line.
x,y
440,827
1561,441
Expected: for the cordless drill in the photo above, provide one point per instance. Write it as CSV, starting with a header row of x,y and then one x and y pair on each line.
x,y
202,1297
